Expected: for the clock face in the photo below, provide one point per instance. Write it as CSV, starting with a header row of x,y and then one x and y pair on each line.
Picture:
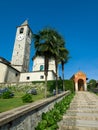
x,y
20,37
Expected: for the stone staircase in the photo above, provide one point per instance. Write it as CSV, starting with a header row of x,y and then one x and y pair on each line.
x,y
82,114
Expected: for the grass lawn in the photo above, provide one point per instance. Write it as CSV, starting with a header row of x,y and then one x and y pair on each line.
x,y
16,101
8,104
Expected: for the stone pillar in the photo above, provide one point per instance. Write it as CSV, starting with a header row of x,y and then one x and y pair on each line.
x,y
85,86
76,86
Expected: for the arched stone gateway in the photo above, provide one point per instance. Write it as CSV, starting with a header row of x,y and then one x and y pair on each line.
x,y
80,85
80,81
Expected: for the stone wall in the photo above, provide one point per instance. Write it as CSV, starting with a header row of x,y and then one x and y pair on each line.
x,y
28,116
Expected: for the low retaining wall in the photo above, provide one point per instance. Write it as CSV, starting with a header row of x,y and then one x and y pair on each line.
x,y
28,116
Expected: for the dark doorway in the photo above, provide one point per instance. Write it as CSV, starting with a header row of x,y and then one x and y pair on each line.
x,y
80,85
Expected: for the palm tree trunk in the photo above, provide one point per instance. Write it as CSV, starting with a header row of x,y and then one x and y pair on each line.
x,y
56,66
45,86
63,75
63,80
46,60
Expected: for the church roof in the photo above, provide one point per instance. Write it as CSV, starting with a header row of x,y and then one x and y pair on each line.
x,y
25,22
4,60
77,74
80,72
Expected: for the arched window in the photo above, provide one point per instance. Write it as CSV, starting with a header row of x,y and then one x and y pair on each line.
x,y
41,67
21,30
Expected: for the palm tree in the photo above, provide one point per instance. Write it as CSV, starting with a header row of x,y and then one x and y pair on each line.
x,y
64,57
44,45
58,48
48,43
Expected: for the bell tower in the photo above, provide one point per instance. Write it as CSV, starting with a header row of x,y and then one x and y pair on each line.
x,y
21,51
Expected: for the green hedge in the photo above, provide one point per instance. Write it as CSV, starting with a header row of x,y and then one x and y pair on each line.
x,y
68,84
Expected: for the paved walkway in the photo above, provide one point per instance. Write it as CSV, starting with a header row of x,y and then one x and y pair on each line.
x,y
82,114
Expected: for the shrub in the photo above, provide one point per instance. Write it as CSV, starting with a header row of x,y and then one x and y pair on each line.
x,y
32,91
27,98
7,95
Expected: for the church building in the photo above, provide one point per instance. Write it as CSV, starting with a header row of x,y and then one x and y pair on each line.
x,y
18,69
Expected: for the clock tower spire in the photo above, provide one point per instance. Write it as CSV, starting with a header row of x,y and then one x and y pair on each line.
x,y
21,51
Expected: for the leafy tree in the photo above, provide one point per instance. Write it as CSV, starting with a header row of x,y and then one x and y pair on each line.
x,y
91,84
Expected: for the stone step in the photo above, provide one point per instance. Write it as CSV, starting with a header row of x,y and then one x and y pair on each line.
x,y
72,105
63,127
84,110
82,113
81,110
84,103
78,125
84,99
81,117
93,101
82,106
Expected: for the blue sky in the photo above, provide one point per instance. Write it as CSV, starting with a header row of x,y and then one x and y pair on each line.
x,y
76,20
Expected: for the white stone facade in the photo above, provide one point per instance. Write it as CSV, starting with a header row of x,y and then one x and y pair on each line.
x,y
38,64
3,72
36,76
7,72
